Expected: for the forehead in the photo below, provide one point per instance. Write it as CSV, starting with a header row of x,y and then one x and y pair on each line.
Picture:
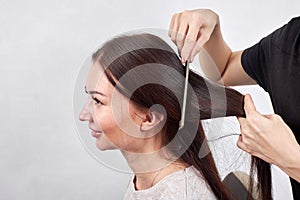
x,y
97,80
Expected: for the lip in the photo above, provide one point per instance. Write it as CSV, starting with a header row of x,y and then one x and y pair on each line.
x,y
96,134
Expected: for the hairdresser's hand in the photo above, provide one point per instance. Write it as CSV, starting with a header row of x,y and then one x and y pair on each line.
x,y
269,138
189,30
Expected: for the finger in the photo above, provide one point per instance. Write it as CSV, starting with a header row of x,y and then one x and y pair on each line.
x,y
202,39
190,41
195,50
181,35
175,28
249,106
244,128
171,25
242,145
242,120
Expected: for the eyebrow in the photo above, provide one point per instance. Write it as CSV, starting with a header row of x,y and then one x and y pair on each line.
x,y
94,92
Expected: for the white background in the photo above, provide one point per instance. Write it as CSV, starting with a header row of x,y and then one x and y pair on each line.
x,y
43,43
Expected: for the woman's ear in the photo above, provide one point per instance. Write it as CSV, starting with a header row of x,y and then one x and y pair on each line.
x,y
154,121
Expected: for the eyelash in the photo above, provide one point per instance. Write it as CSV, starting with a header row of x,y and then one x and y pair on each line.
x,y
97,101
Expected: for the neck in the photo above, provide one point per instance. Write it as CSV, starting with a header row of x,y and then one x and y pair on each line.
x,y
150,168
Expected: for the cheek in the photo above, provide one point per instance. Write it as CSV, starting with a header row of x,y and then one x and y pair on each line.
x,y
104,119
115,136
116,127
107,122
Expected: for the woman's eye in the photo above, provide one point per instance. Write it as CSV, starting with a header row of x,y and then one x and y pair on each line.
x,y
97,100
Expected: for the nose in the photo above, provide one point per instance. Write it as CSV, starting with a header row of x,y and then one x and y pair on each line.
x,y
85,114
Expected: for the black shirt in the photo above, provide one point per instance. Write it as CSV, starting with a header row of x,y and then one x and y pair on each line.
x,y
274,63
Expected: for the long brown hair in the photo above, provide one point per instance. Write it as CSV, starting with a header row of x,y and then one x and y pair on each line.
x,y
206,100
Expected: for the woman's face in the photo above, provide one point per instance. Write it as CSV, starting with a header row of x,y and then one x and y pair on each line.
x,y
112,124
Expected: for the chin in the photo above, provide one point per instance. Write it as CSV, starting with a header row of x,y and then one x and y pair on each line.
x,y
103,146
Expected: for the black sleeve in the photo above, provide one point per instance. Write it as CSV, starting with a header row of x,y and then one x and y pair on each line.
x,y
264,56
253,60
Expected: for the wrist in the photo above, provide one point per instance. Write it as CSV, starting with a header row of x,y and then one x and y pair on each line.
x,y
293,160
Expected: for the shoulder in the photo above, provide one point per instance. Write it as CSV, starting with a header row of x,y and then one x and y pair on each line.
x,y
277,47
186,184
286,39
197,185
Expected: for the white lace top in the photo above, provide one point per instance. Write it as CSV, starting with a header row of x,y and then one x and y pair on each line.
x,y
187,184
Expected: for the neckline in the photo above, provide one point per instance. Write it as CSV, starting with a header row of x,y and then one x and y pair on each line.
x,y
163,180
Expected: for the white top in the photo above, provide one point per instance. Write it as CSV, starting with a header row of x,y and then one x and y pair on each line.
x,y
187,184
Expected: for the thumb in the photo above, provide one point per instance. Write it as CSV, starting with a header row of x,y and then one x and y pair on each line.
x,y
249,105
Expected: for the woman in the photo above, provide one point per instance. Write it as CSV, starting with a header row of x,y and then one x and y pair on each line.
x,y
136,88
